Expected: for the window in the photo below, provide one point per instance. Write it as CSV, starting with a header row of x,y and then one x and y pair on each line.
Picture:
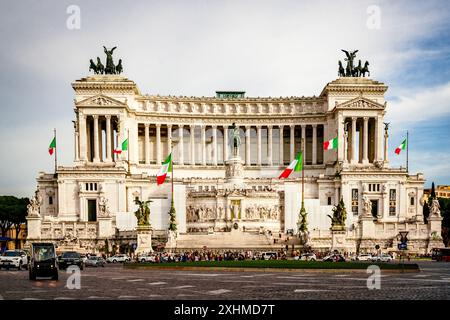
x,y
411,201
392,201
50,200
355,201
91,186
329,201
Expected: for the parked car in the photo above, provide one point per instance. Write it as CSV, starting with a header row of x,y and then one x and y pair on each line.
x,y
308,257
364,257
14,259
119,258
94,261
43,262
269,256
335,257
384,257
70,258
147,257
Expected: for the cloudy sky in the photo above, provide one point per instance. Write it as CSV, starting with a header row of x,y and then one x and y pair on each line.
x,y
267,48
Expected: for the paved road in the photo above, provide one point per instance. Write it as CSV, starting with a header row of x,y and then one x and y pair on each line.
x,y
114,282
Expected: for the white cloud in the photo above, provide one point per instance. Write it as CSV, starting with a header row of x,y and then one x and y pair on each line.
x,y
415,106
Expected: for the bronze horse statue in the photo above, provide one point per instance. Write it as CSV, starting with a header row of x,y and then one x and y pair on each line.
x,y
365,69
119,67
341,72
100,67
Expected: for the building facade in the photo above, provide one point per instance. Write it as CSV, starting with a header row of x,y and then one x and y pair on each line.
x,y
226,200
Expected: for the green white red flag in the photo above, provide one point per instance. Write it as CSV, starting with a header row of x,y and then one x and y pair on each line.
x,y
295,165
166,167
123,147
401,147
330,144
52,146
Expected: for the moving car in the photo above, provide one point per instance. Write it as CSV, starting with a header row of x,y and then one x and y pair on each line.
x,y
43,261
384,257
119,258
364,257
94,261
70,258
14,259
147,257
335,257
308,257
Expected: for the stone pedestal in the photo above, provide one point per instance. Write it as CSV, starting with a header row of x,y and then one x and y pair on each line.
x,y
34,227
434,224
105,227
338,240
367,227
171,240
235,172
144,239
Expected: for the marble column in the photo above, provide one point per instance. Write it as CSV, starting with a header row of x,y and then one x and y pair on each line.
x,y
353,152
225,143
366,140
108,138
180,144
214,146
314,146
192,141
76,140
304,142
147,142
203,145
169,138
269,146
158,144
82,136
247,145
281,155
258,135
375,139
96,142
379,129
292,144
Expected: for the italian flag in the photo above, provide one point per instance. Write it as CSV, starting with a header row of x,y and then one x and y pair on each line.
x,y
52,146
124,147
166,167
401,147
331,144
296,165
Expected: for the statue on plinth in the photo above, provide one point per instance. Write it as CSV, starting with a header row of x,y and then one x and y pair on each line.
x,y
236,140
143,212
367,206
339,217
35,204
435,208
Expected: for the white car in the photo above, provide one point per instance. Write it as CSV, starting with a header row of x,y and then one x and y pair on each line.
x,y
118,258
308,257
14,259
269,256
384,257
146,257
364,257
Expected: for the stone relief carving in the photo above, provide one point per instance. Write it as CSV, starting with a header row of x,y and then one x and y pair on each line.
x,y
367,206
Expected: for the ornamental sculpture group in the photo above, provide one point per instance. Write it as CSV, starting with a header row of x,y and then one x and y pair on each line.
x,y
110,68
351,70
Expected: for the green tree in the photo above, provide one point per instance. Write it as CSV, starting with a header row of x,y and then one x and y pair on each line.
x,y
445,213
12,214
433,193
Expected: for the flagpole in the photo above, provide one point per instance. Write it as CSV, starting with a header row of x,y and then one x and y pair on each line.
x,y
407,150
171,164
56,156
303,174
128,151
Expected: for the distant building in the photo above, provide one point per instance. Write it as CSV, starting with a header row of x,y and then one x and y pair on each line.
x,y
441,192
